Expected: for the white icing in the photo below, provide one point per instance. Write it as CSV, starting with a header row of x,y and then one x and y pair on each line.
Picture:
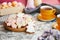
x,y
20,14
58,15
19,20
8,24
30,27
14,26
12,16
19,25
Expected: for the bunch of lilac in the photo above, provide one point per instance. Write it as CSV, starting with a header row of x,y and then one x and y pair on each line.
x,y
50,35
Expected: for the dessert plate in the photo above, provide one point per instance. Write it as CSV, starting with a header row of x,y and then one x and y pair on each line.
x,y
41,19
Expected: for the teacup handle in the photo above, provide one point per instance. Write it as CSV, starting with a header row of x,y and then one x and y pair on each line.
x,y
54,10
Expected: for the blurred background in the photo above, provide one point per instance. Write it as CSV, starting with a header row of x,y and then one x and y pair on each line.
x,y
52,2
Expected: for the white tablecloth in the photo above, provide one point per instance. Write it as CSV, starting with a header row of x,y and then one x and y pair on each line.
x,y
8,35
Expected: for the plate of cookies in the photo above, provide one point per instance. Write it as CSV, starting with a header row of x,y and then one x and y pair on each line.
x,y
20,22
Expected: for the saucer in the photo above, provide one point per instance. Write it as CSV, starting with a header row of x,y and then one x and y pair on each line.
x,y
40,18
55,26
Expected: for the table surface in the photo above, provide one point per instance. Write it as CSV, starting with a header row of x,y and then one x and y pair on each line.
x,y
8,35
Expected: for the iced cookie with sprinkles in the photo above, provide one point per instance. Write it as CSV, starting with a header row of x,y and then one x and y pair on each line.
x,y
20,23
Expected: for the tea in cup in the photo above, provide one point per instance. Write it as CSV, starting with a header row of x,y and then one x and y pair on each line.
x,y
58,21
47,12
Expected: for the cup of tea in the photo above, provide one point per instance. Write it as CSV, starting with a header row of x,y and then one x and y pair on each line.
x,y
58,21
47,12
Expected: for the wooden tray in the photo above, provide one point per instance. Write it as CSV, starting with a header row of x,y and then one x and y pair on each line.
x,y
11,10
